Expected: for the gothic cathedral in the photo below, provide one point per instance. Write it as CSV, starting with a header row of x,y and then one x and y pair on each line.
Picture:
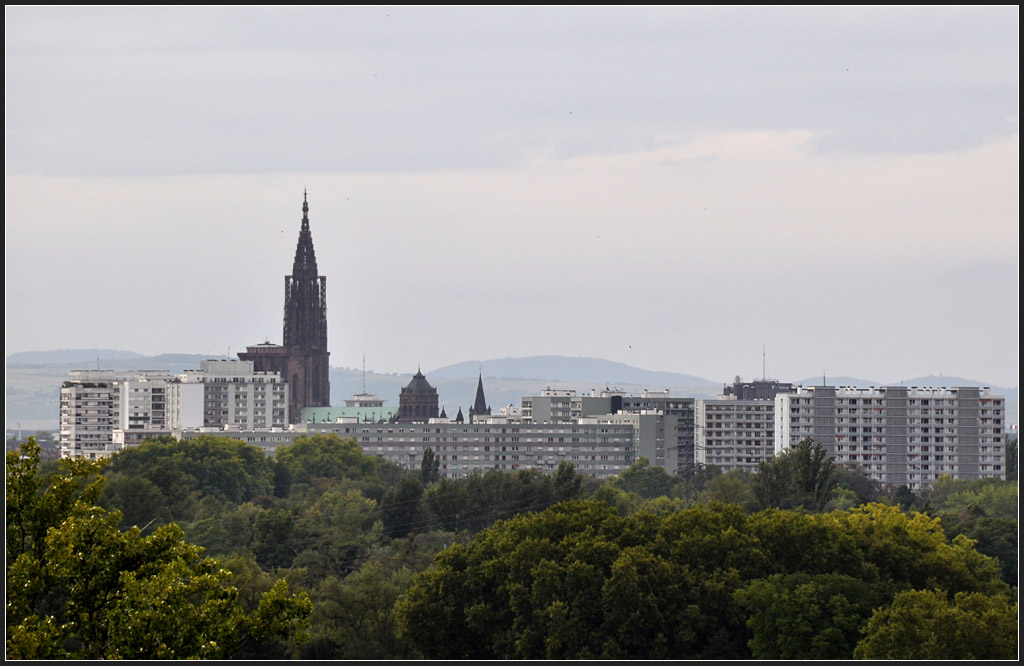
x,y
303,359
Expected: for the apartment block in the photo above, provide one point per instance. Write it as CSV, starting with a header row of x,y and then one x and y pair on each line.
x,y
899,435
596,449
234,394
103,411
735,434
94,403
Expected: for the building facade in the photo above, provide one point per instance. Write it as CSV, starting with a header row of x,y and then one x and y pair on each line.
x,y
95,403
596,449
104,411
898,435
566,406
680,456
734,434
234,394
303,359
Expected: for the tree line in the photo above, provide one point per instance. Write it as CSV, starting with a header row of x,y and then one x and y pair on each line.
x,y
354,554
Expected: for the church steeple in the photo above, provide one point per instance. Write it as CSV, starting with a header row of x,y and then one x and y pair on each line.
x,y
305,294
305,255
479,407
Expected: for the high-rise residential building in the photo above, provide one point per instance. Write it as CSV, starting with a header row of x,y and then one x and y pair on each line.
x,y
679,437
103,411
94,403
734,434
234,394
675,453
302,359
899,435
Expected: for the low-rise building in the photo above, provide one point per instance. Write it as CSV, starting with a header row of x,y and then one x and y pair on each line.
x,y
498,442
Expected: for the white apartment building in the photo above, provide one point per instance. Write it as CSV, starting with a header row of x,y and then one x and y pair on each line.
x,y
899,435
103,411
734,434
233,394
95,403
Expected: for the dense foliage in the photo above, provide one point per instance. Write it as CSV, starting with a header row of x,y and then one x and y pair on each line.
x,y
792,562
582,581
77,586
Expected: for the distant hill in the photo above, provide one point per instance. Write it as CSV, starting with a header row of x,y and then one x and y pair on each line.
x,y
570,369
105,359
64,356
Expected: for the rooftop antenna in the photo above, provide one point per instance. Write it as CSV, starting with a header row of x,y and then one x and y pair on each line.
x,y
823,382
364,372
764,371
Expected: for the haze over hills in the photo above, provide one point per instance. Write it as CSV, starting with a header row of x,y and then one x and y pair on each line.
x,y
553,368
61,356
34,379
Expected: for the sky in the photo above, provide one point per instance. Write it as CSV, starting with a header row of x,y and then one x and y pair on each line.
x,y
673,188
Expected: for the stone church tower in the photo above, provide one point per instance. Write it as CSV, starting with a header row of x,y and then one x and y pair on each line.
x,y
303,359
417,402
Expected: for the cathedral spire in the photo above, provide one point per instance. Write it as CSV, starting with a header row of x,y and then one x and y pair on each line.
x,y
305,299
305,255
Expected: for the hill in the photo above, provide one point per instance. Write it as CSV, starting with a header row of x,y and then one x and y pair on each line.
x,y
572,369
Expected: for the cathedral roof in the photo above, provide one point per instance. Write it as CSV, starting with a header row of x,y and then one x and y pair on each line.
x,y
419,386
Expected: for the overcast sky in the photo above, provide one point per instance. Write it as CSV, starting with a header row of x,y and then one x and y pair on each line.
x,y
670,188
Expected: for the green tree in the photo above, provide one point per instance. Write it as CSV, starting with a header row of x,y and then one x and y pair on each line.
x,y
355,616
331,459
580,581
78,587
646,480
185,471
854,480
807,616
1012,454
430,467
803,476
402,510
733,487
141,502
584,580
926,624
567,482
340,527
